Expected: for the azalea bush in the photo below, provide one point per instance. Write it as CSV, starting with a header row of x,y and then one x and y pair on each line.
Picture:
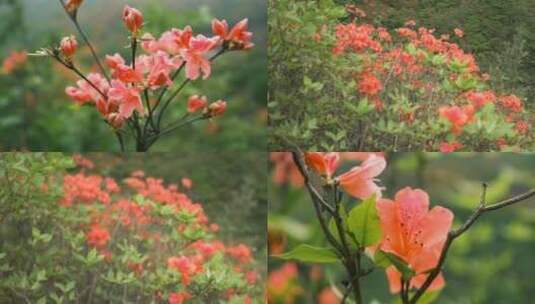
x,y
340,83
133,96
71,235
407,236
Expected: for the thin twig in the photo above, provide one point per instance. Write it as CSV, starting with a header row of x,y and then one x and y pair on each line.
x,y
318,201
86,40
453,234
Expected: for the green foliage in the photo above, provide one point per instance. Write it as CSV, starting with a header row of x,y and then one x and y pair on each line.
x,y
316,100
310,254
363,223
45,256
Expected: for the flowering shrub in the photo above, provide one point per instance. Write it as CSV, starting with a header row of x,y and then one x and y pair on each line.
x,y
99,240
378,89
409,236
132,97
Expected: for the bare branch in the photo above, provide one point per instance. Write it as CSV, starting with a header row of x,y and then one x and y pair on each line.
x,y
453,234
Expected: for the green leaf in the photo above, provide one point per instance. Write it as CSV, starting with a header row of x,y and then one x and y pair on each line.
x,y
381,259
401,266
429,297
363,223
311,254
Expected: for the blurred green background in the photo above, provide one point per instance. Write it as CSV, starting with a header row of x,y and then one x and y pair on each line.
x,y
491,263
35,113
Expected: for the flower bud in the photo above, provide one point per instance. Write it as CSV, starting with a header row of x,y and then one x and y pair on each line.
x,y
196,103
68,46
217,108
72,5
133,19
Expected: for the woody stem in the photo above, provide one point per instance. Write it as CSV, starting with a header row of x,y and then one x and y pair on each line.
x,y
350,261
453,234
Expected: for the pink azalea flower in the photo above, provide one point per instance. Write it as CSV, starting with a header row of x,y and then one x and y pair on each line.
x,y
149,44
238,35
359,181
85,92
175,40
114,61
448,147
127,98
323,163
127,74
160,65
413,233
194,55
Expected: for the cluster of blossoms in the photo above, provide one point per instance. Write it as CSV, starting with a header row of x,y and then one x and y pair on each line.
x,y
133,92
118,98
113,214
410,230
445,82
283,285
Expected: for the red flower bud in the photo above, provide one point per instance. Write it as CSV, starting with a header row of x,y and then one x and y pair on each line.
x,y
72,5
217,108
68,46
196,103
133,19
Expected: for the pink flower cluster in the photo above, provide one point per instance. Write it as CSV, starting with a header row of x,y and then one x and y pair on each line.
x,y
121,96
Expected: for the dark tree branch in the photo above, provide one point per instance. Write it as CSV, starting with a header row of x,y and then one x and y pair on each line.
x,y
350,260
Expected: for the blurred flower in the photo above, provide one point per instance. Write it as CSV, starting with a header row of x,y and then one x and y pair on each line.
x,y
72,5
522,127
133,19
369,85
14,61
457,116
282,284
187,267
448,147
276,242
217,108
186,183
83,162
97,237
285,170
458,32
512,102
241,252
413,233
179,297
327,296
